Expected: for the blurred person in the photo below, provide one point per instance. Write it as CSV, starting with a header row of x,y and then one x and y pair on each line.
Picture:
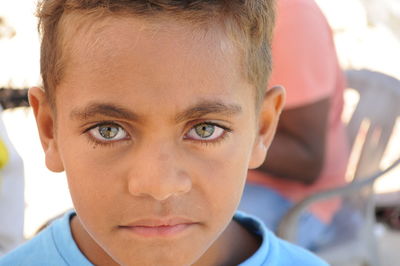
x,y
11,194
309,152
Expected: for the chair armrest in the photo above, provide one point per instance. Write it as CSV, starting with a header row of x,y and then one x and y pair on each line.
x,y
287,227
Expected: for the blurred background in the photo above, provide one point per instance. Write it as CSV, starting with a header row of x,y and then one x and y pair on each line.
x,y
367,35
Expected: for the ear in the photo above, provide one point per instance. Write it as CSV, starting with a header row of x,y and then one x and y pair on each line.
x,y
45,121
269,113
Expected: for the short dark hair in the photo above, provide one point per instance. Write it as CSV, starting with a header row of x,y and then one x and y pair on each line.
x,y
249,22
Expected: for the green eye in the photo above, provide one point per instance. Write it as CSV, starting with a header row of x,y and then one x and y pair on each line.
x,y
108,132
204,130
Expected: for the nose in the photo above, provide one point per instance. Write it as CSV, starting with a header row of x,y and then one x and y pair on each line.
x,y
156,172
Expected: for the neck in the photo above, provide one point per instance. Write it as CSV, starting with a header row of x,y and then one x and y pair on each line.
x,y
88,246
234,246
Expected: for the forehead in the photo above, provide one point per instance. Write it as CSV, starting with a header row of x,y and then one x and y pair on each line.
x,y
109,38
125,52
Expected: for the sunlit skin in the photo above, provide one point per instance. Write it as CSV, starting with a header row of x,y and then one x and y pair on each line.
x,y
156,127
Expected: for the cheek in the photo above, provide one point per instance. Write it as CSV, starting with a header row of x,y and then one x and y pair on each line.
x,y
92,179
223,174
94,196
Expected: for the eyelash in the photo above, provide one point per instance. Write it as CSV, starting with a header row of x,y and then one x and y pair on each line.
x,y
111,143
95,141
218,140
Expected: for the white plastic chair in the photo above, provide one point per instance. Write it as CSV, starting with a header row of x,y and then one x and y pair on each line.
x,y
369,132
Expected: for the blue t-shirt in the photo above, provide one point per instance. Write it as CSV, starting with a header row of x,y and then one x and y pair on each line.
x,y
55,246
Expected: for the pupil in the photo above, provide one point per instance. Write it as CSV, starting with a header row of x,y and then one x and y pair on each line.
x,y
108,132
205,130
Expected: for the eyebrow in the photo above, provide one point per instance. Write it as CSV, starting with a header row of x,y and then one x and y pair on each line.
x,y
197,111
208,107
105,109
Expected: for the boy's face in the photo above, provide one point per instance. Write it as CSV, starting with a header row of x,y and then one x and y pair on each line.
x,y
155,128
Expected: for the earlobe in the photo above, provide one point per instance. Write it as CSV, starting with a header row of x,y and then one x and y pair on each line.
x,y
258,154
45,122
270,111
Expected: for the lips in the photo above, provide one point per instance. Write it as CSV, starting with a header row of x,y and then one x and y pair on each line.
x,y
159,227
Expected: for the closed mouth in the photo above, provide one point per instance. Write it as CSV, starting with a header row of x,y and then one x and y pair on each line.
x,y
150,228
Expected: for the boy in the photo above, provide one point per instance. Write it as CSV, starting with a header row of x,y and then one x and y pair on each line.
x,y
156,110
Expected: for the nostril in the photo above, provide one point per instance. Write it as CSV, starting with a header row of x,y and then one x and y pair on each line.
x,y
162,197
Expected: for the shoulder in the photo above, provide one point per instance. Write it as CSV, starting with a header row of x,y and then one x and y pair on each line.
x,y
303,52
53,246
285,253
301,21
274,251
38,251
299,9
